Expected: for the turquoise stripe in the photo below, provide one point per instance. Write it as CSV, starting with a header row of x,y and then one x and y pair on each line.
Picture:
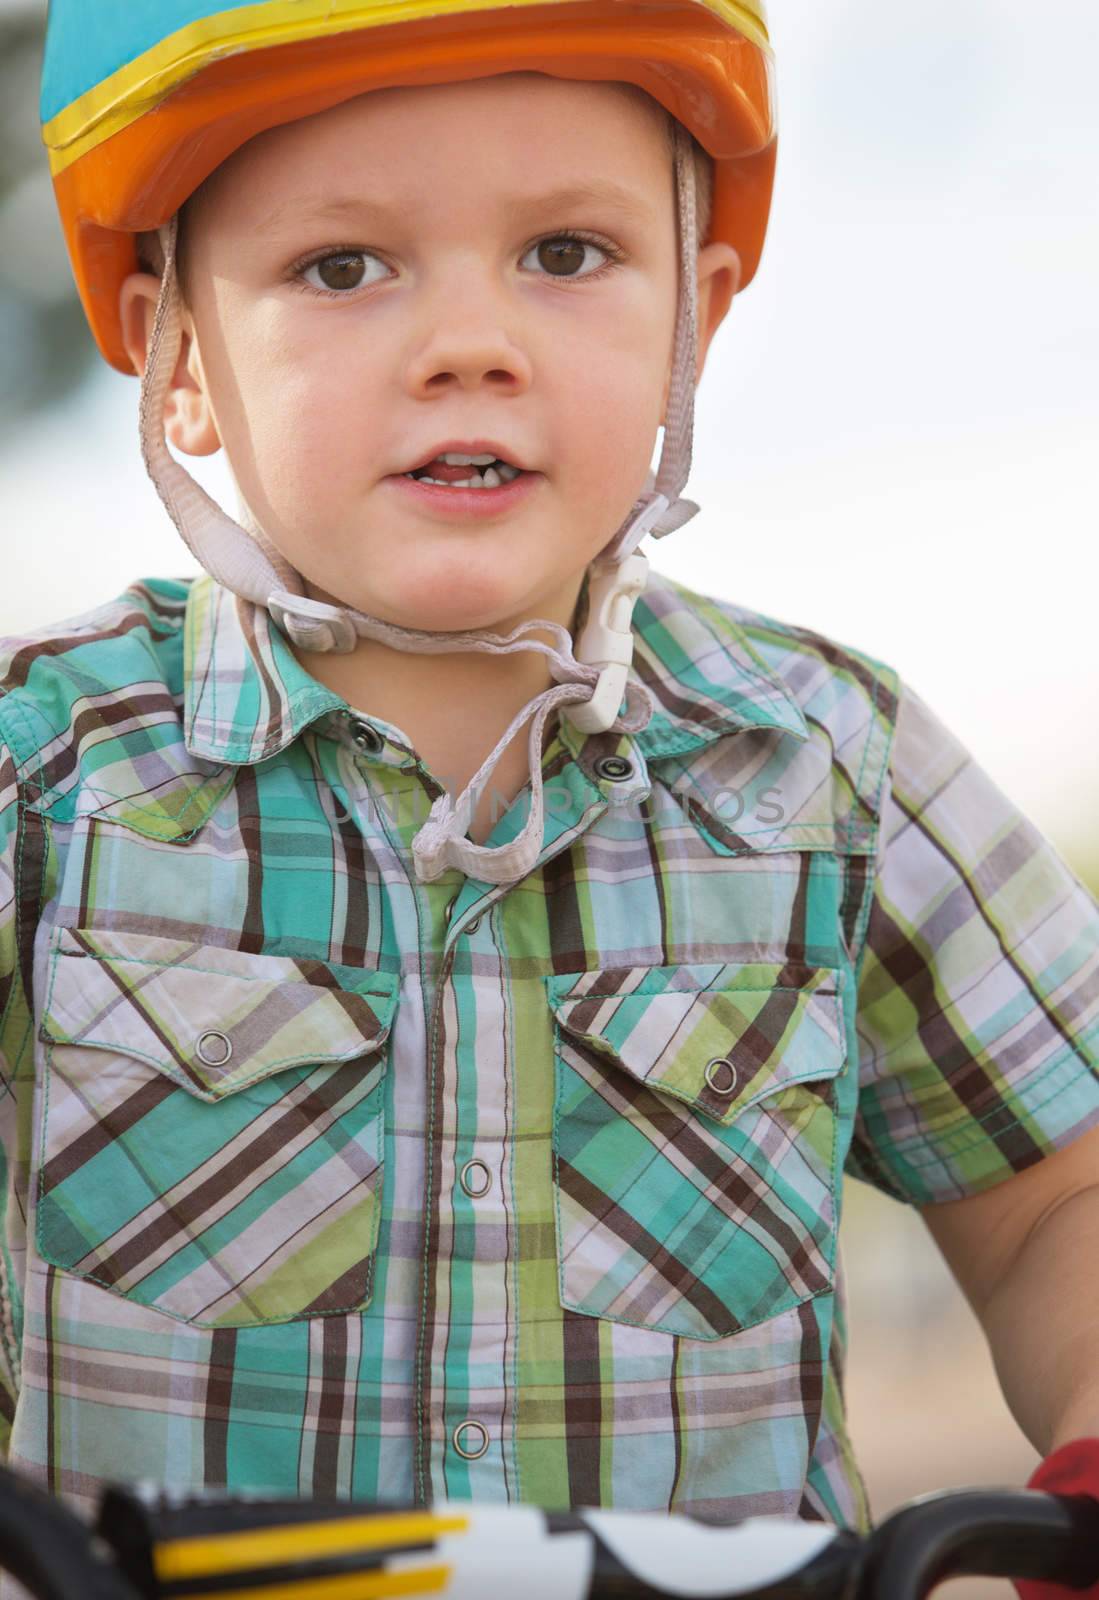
x,y
88,40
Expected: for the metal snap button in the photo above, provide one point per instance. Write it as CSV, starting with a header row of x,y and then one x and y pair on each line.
x,y
214,1049
474,1447
471,927
614,768
475,1179
448,909
721,1075
367,737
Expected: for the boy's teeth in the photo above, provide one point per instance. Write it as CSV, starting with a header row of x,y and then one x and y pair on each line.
x,y
468,461
491,478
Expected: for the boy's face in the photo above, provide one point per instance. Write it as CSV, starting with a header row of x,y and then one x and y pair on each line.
x,y
366,285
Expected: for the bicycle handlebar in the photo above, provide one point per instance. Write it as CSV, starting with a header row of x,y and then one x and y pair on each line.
x,y
1017,1533
164,1547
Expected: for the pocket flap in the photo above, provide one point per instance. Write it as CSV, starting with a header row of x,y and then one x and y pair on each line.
x,y
212,1020
719,1036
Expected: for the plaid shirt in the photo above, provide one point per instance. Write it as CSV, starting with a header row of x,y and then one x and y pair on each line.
x,y
324,1181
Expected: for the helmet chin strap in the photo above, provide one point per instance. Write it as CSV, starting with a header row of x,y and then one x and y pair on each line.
x,y
590,680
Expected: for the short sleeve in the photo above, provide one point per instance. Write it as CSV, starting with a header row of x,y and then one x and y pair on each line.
x,y
978,997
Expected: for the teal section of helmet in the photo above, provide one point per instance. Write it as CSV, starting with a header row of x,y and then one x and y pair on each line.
x,y
87,40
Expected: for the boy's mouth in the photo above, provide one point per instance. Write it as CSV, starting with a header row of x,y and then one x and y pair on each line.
x,y
454,469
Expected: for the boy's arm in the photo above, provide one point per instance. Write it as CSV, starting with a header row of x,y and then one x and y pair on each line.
x,y
1023,1254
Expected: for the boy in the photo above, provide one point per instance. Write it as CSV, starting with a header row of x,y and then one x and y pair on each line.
x,y
357,1148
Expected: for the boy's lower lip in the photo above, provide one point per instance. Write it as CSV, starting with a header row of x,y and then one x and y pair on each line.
x,y
466,503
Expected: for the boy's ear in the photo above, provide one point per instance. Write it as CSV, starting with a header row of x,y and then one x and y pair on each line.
x,y
718,280
188,416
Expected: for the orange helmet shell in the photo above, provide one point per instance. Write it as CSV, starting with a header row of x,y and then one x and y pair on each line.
x,y
128,153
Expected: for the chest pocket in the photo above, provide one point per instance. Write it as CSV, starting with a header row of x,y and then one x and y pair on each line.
x,y
212,1125
695,1142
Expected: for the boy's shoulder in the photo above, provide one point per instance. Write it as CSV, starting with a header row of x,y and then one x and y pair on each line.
x,y
830,682
120,660
820,719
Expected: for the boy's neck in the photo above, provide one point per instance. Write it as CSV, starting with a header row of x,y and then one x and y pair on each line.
x,y
453,707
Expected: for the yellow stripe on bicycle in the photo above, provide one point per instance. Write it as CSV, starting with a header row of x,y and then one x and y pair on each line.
x,y
140,85
346,1586
176,1560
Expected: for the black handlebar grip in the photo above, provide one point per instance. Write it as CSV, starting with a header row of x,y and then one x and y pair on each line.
x,y
987,1532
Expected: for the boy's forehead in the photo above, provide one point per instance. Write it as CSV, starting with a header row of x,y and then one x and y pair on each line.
x,y
525,122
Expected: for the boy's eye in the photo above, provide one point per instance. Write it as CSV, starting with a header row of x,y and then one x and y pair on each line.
x,y
343,270
564,256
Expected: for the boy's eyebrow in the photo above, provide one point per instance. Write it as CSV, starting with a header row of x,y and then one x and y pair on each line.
x,y
595,191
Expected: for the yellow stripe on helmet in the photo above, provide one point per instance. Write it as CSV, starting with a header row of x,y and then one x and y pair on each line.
x,y
140,85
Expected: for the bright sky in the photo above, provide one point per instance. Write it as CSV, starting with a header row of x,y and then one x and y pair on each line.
x,y
896,431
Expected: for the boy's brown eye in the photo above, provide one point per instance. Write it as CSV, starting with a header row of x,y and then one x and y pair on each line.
x,y
562,257
341,272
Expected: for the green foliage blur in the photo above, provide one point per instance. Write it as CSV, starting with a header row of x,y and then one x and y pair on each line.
x,y
45,346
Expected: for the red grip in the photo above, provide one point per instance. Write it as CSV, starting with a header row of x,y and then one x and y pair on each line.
x,y
1073,1469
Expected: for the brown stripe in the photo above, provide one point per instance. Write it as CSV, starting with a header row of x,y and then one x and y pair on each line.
x,y
682,708
567,952
948,1051
110,711
352,1288
30,895
330,1409
810,1369
675,1273
425,1401
875,686
797,932
131,993
583,1406
22,662
273,735
84,917
708,822
181,1216
251,938
1027,831
350,859
677,1420
676,1125
108,1129
218,1409
857,876
659,882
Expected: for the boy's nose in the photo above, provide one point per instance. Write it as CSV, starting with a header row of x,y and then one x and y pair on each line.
x,y
465,346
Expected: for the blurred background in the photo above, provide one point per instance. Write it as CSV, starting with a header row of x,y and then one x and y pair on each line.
x,y
896,446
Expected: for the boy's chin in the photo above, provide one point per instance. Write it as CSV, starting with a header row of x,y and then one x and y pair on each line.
x,y
441,606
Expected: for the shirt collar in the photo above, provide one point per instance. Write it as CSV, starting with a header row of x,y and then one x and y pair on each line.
x,y
246,696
